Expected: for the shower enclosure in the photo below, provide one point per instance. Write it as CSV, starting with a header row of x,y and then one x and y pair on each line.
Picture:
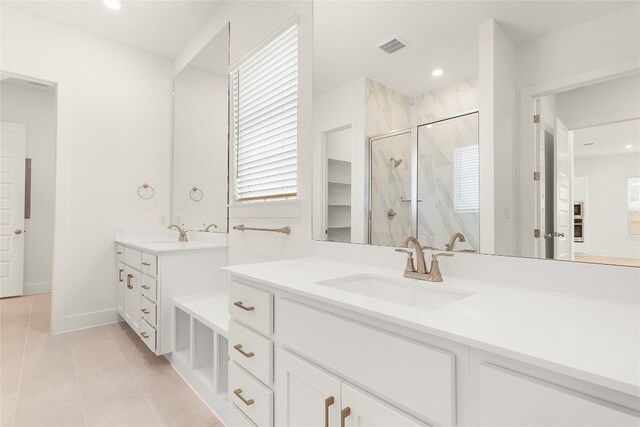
x,y
425,182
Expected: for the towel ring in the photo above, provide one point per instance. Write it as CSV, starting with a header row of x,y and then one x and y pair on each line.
x,y
194,194
146,186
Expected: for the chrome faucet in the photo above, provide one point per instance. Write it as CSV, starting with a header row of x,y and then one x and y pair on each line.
x,y
181,230
421,273
206,228
452,242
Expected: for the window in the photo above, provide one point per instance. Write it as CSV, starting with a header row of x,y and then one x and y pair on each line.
x,y
466,179
633,205
265,121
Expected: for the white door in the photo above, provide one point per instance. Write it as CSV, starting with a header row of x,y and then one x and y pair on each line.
x,y
563,212
307,395
12,156
360,410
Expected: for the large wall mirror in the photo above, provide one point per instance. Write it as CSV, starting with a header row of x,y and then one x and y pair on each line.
x,y
509,128
200,139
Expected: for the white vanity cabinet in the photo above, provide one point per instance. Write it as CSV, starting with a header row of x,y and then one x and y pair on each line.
x,y
147,282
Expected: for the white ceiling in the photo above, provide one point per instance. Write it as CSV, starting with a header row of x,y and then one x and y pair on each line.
x,y
160,27
441,34
607,139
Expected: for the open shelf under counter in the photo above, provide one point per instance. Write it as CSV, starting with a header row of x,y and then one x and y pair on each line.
x,y
211,309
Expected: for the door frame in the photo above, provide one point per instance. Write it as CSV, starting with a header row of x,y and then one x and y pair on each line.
x,y
526,150
60,200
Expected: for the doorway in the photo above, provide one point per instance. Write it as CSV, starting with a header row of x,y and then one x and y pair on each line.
x,y
28,172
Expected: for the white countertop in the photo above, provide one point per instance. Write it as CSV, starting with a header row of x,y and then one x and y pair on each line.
x,y
593,340
212,309
161,246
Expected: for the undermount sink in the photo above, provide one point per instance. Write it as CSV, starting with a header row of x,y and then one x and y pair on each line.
x,y
408,292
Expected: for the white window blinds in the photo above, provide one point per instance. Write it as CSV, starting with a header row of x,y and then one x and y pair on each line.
x,y
633,205
265,121
466,179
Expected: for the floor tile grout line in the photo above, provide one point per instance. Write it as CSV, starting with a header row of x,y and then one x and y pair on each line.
x,y
146,398
24,352
75,368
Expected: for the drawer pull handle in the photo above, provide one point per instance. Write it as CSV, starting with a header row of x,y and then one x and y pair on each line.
x,y
120,275
129,285
145,287
239,304
119,252
244,353
145,311
146,264
343,415
145,336
327,402
238,392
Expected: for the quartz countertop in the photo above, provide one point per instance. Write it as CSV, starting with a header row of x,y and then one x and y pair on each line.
x,y
161,246
594,340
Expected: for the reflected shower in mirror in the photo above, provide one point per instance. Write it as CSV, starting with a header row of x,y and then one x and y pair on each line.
x,y
479,126
200,139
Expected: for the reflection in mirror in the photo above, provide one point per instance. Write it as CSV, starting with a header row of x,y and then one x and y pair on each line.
x,y
200,140
507,128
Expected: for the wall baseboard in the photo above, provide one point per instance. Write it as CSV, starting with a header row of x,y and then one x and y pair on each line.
x,y
88,320
37,288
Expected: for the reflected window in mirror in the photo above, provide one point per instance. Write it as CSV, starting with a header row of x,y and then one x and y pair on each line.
x,y
633,205
264,120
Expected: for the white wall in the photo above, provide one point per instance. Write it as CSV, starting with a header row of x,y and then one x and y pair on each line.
x,y
252,23
200,134
605,208
113,134
604,102
36,109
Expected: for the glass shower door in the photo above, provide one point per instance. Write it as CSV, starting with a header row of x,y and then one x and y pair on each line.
x,y
390,193
449,182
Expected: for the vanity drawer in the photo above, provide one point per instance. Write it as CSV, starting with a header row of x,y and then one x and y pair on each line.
x,y
250,396
148,335
148,287
120,252
251,306
149,264
132,258
251,351
148,310
407,373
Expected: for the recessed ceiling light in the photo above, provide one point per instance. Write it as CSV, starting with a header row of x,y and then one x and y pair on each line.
x,y
437,72
112,4
628,146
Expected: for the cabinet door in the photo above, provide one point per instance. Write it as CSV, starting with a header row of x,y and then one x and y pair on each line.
x,y
306,394
132,299
120,286
508,398
360,409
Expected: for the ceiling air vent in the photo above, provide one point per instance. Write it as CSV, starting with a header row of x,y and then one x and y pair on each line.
x,y
392,45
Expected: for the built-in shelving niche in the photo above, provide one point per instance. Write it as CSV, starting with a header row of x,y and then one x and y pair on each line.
x,y
201,352
338,200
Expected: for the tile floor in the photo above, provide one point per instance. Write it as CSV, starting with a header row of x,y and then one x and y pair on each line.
x,y
102,376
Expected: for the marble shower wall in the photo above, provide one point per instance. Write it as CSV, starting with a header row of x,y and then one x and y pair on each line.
x,y
387,110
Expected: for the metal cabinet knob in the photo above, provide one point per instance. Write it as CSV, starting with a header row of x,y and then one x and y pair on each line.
x,y
18,231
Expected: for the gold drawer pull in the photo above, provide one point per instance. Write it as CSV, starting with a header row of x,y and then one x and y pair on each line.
x,y
244,353
145,287
238,392
145,311
119,252
146,264
120,275
145,336
239,304
129,285
327,402
343,415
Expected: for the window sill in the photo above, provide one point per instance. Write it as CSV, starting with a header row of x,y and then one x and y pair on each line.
x,y
267,209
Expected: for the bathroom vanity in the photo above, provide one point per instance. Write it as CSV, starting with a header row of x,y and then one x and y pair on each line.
x,y
322,342
152,271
